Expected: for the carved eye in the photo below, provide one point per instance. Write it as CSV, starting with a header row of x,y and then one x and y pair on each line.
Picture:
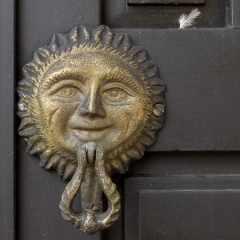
x,y
115,94
67,91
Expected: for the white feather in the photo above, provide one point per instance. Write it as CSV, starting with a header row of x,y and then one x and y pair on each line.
x,y
188,20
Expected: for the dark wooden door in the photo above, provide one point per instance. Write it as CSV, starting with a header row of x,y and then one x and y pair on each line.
x,y
187,184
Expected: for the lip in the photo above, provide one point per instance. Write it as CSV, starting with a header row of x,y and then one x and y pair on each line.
x,y
90,128
90,125
91,133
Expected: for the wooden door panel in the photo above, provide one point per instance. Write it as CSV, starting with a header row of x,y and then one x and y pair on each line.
x,y
200,189
39,191
39,194
189,214
7,115
39,20
182,207
119,14
201,71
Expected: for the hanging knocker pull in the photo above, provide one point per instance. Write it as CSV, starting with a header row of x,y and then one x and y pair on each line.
x,y
91,220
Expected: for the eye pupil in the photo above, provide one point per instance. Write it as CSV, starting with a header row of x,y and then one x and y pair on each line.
x,y
114,93
67,91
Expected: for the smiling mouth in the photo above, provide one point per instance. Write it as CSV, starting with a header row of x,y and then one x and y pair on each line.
x,y
90,133
91,128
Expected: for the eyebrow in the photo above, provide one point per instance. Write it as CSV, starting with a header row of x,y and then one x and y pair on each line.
x,y
60,75
125,78
64,82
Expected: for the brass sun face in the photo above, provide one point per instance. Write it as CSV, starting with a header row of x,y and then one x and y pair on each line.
x,y
90,97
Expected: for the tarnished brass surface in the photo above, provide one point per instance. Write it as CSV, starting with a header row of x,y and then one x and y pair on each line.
x,y
90,102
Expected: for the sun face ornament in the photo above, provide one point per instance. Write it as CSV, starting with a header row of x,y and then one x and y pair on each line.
x,y
90,102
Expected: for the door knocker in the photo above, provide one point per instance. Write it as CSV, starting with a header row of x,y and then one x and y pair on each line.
x,y
90,102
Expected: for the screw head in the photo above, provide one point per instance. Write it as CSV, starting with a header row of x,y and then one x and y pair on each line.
x,y
22,106
158,109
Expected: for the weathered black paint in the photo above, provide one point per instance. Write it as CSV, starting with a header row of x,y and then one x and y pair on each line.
x,y
201,72
151,187
118,14
39,192
183,207
234,6
167,2
7,116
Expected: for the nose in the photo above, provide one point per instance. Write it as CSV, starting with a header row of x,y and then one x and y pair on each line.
x,y
91,105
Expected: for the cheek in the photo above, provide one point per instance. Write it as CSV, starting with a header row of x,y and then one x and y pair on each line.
x,y
57,114
126,119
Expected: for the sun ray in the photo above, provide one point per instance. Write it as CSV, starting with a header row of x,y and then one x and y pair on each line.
x,y
61,47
